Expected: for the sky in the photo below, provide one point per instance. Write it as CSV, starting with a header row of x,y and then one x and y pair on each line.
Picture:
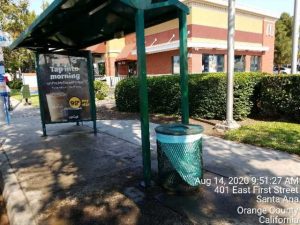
x,y
274,6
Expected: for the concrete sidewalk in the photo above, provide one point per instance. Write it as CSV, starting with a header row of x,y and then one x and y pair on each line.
x,y
74,177
228,160
223,157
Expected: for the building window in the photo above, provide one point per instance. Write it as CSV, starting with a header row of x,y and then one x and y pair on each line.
x,y
239,63
99,65
255,63
176,64
270,30
132,67
212,63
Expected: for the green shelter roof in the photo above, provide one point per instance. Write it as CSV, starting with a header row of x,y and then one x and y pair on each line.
x,y
77,24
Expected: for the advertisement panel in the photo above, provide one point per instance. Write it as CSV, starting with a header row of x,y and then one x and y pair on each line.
x,y
64,88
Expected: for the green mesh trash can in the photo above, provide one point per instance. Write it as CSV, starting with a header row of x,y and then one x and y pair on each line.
x,y
179,155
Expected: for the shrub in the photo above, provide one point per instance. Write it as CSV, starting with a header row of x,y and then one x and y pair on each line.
x,y
207,94
244,93
15,84
279,96
126,95
164,94
101,89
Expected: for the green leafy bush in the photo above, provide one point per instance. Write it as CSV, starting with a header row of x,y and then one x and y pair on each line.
x,y
15,84
279,96
126,95
164,94
101,89
207,94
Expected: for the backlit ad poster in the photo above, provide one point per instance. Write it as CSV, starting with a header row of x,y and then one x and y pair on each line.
x,y
64,86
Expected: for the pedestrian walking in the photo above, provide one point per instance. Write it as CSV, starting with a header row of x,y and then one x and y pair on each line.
x,y
25,93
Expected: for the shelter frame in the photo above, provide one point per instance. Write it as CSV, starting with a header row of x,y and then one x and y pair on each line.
x,y
49,31
143,87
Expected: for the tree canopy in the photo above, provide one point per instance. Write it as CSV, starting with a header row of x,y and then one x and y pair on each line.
x,y
15,17
283,40
45,5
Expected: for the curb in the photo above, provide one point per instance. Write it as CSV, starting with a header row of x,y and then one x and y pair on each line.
x,y
18,209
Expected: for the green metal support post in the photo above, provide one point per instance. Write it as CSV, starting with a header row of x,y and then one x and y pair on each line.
x,y
183,67
143,94
92,91
37,68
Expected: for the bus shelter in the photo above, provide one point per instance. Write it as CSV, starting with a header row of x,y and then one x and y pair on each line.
x,y
68,26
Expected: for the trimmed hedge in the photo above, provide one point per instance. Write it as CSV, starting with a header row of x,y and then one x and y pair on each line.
x,y
163,91
207,94
279,96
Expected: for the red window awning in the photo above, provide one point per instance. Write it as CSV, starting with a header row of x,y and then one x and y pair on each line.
x,y
126,54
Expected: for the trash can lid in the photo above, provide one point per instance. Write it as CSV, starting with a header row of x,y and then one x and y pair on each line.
x,y
179,129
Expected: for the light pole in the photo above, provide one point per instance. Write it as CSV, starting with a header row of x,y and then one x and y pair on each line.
x,y
230,123
295,37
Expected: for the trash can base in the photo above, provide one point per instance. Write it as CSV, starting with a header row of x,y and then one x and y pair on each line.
x,y
179,155
177,186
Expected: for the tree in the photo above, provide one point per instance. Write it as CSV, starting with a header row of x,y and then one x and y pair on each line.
x,y
45,5
283,40
15,18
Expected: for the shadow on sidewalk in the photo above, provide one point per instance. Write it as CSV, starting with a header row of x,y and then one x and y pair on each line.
x,y
74,177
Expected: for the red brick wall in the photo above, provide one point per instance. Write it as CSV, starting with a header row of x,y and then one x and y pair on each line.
x,y
164,64
162,38
110,66
199,31
268,57
160,63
